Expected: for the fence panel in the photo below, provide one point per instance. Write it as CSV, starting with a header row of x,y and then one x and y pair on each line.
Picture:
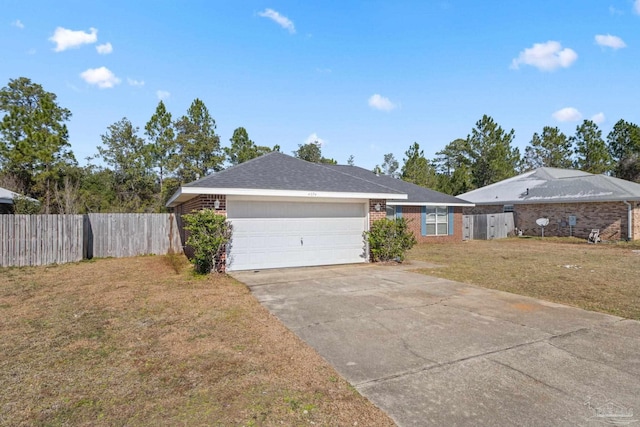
x,y
27,240
40,239
488,226
467,227
123,235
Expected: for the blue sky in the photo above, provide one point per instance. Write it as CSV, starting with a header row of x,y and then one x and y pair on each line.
x,y
364,77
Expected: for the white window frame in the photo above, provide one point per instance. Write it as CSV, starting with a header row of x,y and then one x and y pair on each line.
x,y
434,218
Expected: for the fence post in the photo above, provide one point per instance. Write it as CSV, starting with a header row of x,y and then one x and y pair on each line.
x,y
87,237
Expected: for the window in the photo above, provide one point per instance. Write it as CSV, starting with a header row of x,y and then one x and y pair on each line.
x,y
437,221
507,208
391,212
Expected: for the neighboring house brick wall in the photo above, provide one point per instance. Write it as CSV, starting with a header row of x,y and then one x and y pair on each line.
x,y
413,215
609,217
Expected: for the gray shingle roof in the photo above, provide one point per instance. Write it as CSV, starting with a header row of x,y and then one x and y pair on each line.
x,y
277,171
551,185
416,194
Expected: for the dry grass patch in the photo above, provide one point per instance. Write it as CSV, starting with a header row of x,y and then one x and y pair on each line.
x,y
602,277
132,342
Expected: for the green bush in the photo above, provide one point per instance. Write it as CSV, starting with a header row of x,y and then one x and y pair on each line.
x,y
390,239
208,235
25,206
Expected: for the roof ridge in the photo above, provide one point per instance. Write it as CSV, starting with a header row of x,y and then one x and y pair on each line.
x,y
360,178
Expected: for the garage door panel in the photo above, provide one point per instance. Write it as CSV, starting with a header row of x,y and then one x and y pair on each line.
x,y
274,210
295,237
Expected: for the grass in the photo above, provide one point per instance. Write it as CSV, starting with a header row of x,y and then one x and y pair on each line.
x,y
142,341
602,277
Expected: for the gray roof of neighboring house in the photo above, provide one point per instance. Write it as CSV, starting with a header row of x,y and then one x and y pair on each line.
x,y
7,196
552,185
277,171
416,194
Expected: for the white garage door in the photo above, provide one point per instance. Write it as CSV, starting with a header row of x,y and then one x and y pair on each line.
x,y
294,234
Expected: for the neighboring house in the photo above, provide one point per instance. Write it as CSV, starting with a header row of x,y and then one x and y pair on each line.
x,y
6,200
575,202
287,212
432,216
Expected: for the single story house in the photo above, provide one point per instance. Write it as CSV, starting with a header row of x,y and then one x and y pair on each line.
x,y
574,202
287,212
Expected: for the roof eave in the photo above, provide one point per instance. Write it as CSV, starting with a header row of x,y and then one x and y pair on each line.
x,y
541,201
408,203
186,193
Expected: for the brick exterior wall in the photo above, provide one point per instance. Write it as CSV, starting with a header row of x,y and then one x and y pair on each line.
x,y
375,215
413,215
609,217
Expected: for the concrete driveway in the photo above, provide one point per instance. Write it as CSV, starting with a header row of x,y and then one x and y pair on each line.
x,y
430,351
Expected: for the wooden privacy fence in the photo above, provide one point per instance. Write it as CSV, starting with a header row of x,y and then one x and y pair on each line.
x,y
40,239
124,235
487,227
57,239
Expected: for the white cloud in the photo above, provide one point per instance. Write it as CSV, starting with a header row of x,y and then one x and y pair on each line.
x,y
133,82
18,24
545,56
568,114
614,42
66,39
598,118
101,77
381,103
315,139
281,20
162,94
104,49
636,6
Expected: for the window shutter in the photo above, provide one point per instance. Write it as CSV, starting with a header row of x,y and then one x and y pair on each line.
x,y
398,212
450,220
423,227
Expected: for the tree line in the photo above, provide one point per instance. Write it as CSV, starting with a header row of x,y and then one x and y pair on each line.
x,y
487,156
141,168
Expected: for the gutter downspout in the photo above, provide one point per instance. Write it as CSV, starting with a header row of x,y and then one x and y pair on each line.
x,y
629,218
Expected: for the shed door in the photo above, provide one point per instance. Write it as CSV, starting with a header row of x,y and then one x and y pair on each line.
x,y
295,234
